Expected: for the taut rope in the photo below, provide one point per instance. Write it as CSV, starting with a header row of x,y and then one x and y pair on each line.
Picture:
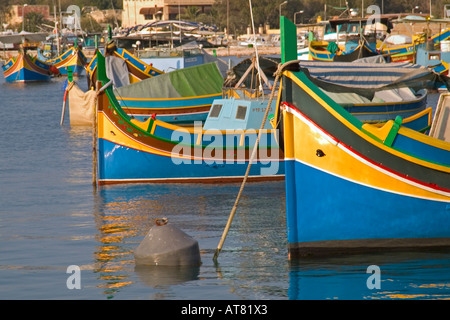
x,y
233,210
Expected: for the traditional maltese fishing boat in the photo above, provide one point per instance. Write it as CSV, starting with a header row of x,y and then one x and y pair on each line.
x,y
25,68
73,58
130,150
353,186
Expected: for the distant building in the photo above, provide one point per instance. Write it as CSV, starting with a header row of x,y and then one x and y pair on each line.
x,y
17,12
137,12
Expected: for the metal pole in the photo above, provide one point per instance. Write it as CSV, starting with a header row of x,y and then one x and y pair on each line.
x,y
228,27
23,17
280,9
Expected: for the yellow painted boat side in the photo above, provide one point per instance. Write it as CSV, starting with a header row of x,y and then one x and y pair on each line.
x,y
133,78
108,131
343,162
17,65
72,61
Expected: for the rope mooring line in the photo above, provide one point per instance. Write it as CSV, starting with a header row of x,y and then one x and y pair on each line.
x,y
277,74
233,210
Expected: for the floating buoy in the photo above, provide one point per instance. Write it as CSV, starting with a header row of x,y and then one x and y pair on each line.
x,y
167,245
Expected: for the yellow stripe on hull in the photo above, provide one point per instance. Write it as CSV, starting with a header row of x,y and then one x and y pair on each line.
x,y
108,131
342,162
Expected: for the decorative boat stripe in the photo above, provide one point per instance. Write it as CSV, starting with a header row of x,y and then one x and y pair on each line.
x,y
361,158
165,153
189,179
351,126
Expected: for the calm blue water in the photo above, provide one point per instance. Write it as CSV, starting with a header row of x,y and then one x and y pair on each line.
x,y
51,217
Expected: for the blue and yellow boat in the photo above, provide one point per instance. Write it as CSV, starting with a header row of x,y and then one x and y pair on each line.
x,y
25,68
72,58
400,53
132,151
354,47
356,187
408,52
320,51
374,92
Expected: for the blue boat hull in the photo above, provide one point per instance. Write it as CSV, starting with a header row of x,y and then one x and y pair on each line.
x,y
24,69
318,218
118,163
25,75
77,70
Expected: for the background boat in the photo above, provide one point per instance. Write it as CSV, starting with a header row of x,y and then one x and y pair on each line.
x,y
320,51
25,68
435,52
349,43
408,50
180,96
154,151
73,58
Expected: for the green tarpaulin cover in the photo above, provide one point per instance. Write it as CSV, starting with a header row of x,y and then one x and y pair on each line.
x,y
198,80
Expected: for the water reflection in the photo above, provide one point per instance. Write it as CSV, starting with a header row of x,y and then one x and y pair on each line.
x,y
78,141
403,275
161,276
253,263
125,213
116,224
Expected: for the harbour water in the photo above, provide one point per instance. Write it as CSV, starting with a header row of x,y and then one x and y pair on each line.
x,y
52,218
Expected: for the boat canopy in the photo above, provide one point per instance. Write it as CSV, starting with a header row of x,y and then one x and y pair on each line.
x,y
198,80
363,76
367,78
18,38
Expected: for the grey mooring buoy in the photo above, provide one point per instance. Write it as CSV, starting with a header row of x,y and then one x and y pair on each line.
x,y
167,245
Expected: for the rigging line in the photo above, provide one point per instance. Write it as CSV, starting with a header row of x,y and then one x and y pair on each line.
x,y
124,106
233,210
278,74
256,47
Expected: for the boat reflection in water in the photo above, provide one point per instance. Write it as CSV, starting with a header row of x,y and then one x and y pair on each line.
x,y
123,217
124,214
402,275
